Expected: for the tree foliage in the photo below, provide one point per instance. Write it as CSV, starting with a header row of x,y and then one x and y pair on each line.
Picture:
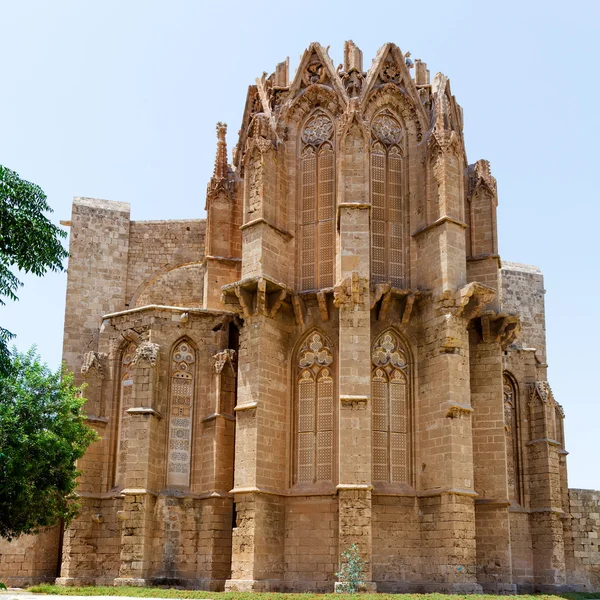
x,y
29,242
351,574
42,434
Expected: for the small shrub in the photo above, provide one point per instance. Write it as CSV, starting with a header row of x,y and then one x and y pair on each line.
x,y
351,571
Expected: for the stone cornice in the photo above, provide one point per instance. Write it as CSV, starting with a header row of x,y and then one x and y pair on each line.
x,y
180,309
438,222
261,220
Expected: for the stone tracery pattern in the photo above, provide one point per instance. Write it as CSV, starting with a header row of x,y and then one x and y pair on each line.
x,y
125,400
390,392
511,427
317,203
387,199
180,425
314,411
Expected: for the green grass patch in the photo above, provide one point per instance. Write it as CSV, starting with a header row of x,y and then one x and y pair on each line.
x,y
156,592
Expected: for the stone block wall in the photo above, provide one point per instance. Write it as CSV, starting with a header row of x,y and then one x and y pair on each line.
x,y
523,294
156,247
30,559
585,524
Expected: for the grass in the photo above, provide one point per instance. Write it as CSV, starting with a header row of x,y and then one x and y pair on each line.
x,y
154,592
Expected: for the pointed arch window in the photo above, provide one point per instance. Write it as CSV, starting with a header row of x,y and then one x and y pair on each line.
x,y
390,392
314,414
388,228
183,361
511,426
317,203
125,403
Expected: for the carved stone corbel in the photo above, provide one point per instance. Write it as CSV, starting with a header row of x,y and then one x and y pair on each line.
x,y
146,353
322,300
298,310
467,302
499,328
94,362
351,290
354,402
408,307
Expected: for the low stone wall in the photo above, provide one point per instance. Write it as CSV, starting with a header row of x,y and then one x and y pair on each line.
x,y
585,524
30,559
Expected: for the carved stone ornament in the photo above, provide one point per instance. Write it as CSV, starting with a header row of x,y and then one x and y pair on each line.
x,y
314,73
318,129
541,390
314,352
353,82
93,361
146,352
387,352
390,73
222,358
387,130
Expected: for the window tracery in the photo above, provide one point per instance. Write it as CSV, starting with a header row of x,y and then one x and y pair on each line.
x,y
125,403
317,203
314,411
511,426
387,200
390,391
180,423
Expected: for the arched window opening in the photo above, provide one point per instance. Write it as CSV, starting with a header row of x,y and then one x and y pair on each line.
x,y
183,365
390,391
317,204
125,400
314,414
387,200
511,426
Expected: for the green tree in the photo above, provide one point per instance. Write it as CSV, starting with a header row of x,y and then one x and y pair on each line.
x,y
29,242
42,434
351,572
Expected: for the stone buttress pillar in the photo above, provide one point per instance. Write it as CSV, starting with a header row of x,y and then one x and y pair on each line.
x,y
444,472
142,470
79,558
260,457
260,479
494,563
222,259
218,435
545,485
351,295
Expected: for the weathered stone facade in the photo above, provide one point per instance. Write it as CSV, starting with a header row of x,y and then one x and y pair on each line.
x,y
335,355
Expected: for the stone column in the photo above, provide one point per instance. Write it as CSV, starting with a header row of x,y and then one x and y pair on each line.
x,y
142,470
352,297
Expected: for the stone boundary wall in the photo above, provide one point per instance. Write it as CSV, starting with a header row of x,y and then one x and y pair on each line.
x,y
585,523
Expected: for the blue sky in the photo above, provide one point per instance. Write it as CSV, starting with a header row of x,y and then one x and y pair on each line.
x,y
119,100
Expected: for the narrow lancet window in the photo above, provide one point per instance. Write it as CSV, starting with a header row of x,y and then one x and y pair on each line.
x,y
182,405
390,390
388,233
314,411
317,204
125,399
511,426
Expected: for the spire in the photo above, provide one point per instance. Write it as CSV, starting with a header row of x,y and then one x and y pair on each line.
x,y
220,172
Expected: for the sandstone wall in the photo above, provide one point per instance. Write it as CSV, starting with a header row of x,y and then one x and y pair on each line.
x,y
159,246
585,523
30,559
523,294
